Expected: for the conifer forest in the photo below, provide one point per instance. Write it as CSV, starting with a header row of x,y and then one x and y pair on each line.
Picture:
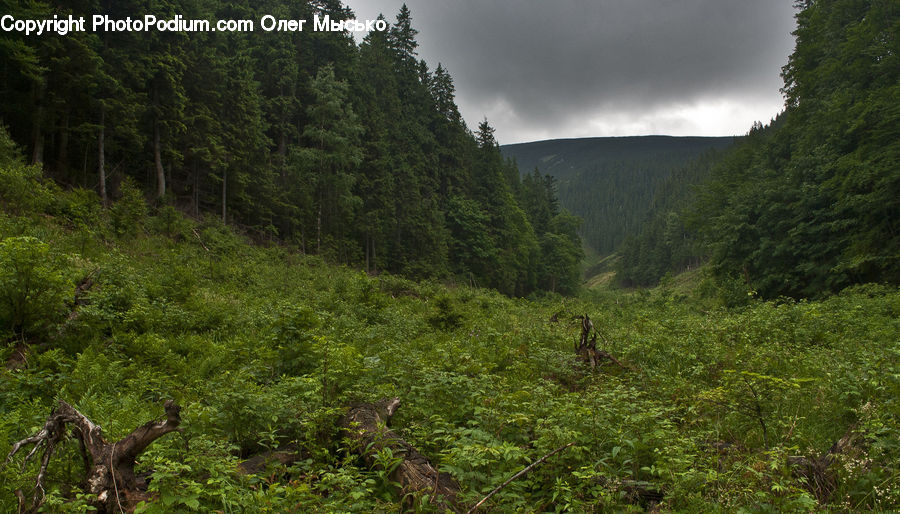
x,y
277,271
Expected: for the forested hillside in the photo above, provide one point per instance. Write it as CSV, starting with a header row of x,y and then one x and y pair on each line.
x,y
610,181
664,243
353,152
239,364
810,204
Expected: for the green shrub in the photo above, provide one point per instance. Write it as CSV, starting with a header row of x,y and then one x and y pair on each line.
x,y
129,213
446,315
171,223
293,337
9,151
33,288
81,207
23,189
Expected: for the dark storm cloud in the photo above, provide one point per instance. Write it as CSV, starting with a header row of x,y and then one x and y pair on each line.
x,y
569,68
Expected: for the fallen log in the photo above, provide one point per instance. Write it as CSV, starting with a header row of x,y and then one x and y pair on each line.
x,y
366,425
283,456
110,466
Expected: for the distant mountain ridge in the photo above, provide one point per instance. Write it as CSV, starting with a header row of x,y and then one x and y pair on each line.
x,y
610,182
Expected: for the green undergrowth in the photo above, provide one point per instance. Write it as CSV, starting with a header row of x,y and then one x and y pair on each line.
x,y
263,347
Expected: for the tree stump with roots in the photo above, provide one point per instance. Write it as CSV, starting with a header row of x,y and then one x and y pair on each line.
x,y
110,466
586,346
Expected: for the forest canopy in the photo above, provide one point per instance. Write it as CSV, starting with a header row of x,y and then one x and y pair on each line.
x,y
356,152
807,205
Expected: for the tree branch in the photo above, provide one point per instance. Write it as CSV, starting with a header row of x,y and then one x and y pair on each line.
x,y
517,475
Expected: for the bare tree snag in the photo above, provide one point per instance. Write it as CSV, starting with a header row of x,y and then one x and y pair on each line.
x,y
586,347
79,300
367,425
109,466
18,359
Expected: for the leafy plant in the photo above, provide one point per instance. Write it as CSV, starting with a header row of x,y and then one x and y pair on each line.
x,y
33,286
130,211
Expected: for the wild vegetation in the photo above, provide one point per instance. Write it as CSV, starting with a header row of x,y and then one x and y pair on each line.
x,y
265,348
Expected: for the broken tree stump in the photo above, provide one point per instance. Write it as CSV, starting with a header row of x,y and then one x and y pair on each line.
x,y
366,424
818,471
586,347
110,466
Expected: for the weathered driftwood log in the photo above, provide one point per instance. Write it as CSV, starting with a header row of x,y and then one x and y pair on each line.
x,y
109,466
586,347
367,425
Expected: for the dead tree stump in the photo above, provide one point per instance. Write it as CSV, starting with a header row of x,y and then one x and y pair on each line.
x,y
818,471
586,347
366,424
110,466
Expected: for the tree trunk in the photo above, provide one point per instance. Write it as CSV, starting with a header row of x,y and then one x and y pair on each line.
x,y
282,157
367,425
319,228
157,159
110,466
195,196
224,193
37,133
62,154
101,157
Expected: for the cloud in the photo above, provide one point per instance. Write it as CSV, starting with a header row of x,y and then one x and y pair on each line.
x,y
573,68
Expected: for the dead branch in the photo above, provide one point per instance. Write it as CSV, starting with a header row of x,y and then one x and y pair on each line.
x,y
200,239
517,475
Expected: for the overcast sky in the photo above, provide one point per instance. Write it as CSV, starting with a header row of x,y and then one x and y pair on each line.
x,y
546,69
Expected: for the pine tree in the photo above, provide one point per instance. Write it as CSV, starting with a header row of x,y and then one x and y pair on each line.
x,y
330,158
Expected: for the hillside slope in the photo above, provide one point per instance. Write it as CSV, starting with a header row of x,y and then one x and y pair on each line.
x,y
610,181
266,348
